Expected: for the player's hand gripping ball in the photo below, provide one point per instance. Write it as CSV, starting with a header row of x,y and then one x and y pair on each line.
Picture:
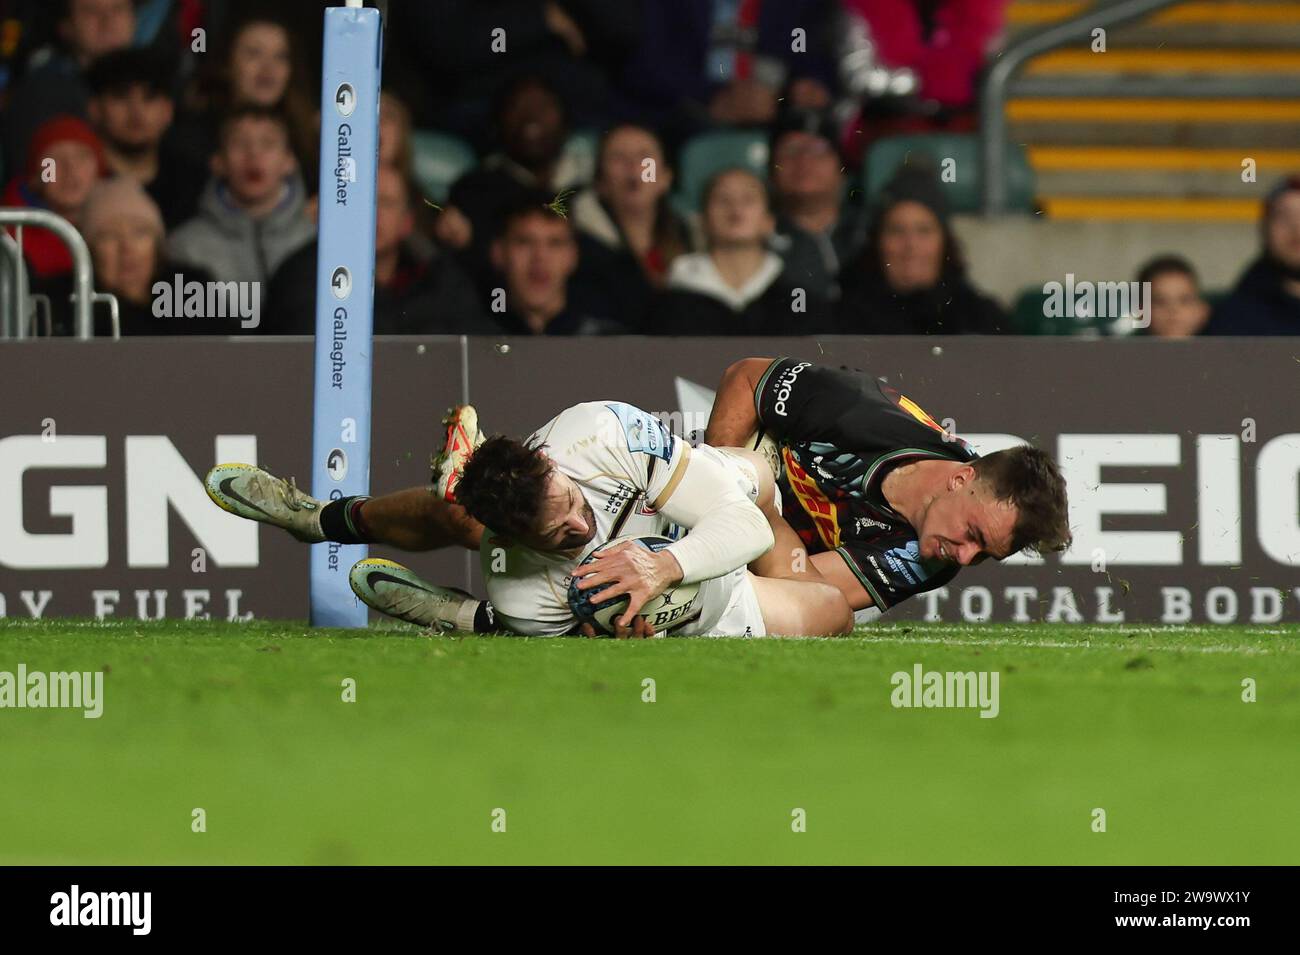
x,y
675,606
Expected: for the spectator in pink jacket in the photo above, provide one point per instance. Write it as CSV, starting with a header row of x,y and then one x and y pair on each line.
x,y
924,59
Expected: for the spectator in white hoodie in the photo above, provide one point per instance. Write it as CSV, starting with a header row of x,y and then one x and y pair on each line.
x,y
739,286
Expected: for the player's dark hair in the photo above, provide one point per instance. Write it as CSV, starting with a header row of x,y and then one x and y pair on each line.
x,y
504,484
1028,478
1164,265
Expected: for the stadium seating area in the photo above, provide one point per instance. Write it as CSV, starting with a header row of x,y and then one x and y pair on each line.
x,y
670,166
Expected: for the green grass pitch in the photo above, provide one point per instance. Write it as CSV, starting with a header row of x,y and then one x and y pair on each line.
x,y
248,723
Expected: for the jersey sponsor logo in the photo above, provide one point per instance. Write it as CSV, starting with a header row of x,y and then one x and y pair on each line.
x,y
861,524
785,384
882,578
905,561
643,432
812,500
579,445
622,494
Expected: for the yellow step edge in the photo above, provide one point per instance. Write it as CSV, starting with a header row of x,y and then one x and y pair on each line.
x,y
1022,14
1165,158
1166,60
1095,207
1154,110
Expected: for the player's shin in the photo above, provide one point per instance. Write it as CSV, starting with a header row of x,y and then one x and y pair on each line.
x,y
413,519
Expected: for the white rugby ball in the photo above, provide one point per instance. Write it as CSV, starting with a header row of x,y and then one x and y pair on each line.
x,y
675,606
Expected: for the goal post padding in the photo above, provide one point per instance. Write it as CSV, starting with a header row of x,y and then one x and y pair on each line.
x,y
345,269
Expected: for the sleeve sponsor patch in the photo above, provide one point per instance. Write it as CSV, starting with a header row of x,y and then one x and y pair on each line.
x,y
643,431
894,573
905,562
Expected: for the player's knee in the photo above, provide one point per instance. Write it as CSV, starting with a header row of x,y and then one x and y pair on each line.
x,y
846,622
840,612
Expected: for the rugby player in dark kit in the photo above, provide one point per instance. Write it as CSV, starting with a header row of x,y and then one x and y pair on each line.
x,y
887,502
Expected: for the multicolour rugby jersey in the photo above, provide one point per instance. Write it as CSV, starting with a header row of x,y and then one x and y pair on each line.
x,y
840,433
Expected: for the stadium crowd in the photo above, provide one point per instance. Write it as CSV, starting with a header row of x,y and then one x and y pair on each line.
x,y
199,157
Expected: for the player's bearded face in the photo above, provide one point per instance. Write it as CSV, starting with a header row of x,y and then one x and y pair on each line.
x,y
966,525
566,521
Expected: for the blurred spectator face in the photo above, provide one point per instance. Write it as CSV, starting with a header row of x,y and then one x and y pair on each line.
x,y
806,166
911,247
95,27
1177,309
254,160
132,120
393,219
620,181
76,170
394,131
532,126
260,64
537,254
736,212
126,254
1282,233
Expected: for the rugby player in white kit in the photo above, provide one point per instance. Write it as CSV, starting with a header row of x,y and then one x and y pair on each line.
x,y
535,509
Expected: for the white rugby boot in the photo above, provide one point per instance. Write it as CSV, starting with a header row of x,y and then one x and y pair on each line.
x,y
462,437
250,492
392,589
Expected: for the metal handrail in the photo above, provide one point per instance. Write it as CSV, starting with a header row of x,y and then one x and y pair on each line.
x,y
82,281
993,120
13,289
114,316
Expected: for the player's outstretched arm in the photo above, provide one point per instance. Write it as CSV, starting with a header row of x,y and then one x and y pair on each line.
x,y
728,530
734,416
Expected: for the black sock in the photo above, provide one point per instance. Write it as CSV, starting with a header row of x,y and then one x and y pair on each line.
x,y
484,619
341,521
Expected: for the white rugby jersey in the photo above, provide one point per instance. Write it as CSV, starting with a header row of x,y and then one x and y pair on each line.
x,y
627,464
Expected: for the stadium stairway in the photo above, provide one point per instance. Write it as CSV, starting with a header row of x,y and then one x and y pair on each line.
x,y
1157,126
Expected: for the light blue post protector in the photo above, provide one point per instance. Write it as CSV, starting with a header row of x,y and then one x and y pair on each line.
x,y
345,292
